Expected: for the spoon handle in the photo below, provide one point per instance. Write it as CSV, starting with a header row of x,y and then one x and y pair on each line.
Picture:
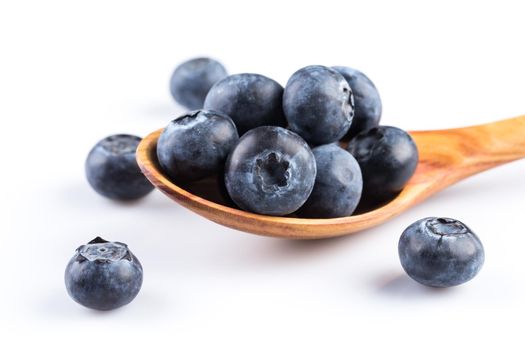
x,y
494,143
450,155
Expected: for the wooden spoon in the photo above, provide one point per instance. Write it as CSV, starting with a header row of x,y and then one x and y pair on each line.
x,y
445,157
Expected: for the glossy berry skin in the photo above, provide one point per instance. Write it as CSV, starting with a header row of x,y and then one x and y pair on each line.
x,y
191,81
103,275
318,104
112,171
338,184
270,171
195,145
368,106
251,100
440,252
388,158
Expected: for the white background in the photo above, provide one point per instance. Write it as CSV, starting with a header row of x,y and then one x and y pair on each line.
x,y
72,73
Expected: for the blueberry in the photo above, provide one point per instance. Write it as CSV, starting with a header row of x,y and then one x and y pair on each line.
x,y
367,102
338,184
195,145
440,252
192,80
270,171
388,158
112,171
251,100
103,275
318,104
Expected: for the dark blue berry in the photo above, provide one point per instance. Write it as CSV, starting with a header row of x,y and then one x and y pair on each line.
x,y
192,80
270,171
195,145
368,106
251,100
440,252
388,158
338,184
112,170
103,275
318,104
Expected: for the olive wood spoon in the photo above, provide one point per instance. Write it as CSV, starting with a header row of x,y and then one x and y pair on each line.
x,y
445,157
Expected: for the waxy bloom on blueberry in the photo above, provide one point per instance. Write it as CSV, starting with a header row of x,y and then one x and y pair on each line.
x,y
192,80
388,158
338,184
251,100
440,252
195,145
270,171
103,275
368,106
112,170
318,104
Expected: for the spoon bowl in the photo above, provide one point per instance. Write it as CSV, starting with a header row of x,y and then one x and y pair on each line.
x,y
445,157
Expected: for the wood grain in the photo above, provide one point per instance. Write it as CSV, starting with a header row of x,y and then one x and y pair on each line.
x,y
446,157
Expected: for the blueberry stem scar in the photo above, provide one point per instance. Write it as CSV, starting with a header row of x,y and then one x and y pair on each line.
x,y
446,226
273,171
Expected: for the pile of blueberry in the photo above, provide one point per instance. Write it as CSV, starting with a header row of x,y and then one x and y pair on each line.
x,y
277,151
288,159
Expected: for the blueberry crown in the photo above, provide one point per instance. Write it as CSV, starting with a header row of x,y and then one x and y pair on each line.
x,y
100,250
446,226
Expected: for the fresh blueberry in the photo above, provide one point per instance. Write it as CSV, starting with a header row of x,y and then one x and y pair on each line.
x,y
195,145
112,171
103,275
318,104
388,158
367,102
440,252
192,80
251,100
338,184
270,171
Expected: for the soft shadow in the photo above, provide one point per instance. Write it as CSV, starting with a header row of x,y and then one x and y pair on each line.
x,y
81,195
271,252
161,110
486,184
211,188
402,286
364,207
58,305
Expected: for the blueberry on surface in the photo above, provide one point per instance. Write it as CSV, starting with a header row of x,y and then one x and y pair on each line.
x,y
112,170
192,80
251,100
318,104
368,106
338,184
103,275
388,158
270,171
440,252
195,145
